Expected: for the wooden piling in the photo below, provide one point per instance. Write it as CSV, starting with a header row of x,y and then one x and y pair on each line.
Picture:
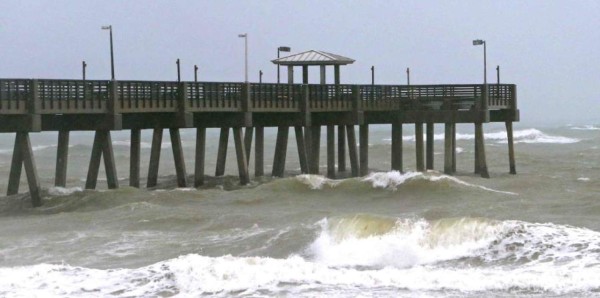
x,y
429,145
241,155
200,156
16,167
315,149
259,152
477,159
331,151
419,148
352,152
511,147
134,158
341,148
222,152
62,154
109,160
448,148
178,157
479,139
248,132
94,167
280,151
157,136
397,146
454,147
302,157
30,169
364,149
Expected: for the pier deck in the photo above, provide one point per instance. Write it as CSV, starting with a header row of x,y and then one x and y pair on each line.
x,y
34,105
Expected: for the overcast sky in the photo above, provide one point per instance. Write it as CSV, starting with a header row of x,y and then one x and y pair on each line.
x,y
550,49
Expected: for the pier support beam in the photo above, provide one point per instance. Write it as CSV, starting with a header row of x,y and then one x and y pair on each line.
x,y
248,132
364,149
240,151
448,148
23,155
352,151
222,152
134,158
62,154
429,146
331,151
315,148
259,152
302,157
453,147
178,157
419,148
479,140
397,146
157,136
280,151
341,148
511,147
200,156
102,146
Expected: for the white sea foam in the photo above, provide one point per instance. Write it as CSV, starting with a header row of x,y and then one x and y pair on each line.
x,y
62,191
411,255
586,127
530,136
317,181
584,179
394,179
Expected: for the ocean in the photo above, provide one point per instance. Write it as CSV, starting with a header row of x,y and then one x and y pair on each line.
x,y
388,234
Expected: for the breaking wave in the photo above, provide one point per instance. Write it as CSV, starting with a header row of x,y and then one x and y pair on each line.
x,y
529,136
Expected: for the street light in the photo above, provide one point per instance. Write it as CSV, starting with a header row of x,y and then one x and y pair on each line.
x,y
260,73
281,49
178,70
112,59
83,66
195,73
245,37
478,42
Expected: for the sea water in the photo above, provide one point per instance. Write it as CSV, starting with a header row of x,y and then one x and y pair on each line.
x,y
386,234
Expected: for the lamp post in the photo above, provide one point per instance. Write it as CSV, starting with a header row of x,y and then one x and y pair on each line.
x,y
178,70
260,73
478,42
372,75
195,73
281,49
408,76
83,66
245,37
112,57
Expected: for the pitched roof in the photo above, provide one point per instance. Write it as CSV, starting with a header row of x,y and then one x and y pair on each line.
x,y
313,57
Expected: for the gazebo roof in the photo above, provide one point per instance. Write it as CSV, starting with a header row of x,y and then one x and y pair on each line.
x,y
313,57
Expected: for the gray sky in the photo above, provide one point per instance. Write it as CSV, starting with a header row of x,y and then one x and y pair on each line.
x,y
550,49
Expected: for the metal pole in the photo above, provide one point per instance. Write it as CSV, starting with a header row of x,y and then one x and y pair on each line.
x,y
178,71
485,96
195,73
84,65
498,74
260,73
408,76
278,66
246,55
372,75
112,57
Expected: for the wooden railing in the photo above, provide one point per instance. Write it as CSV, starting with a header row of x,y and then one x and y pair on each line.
x,y
85,97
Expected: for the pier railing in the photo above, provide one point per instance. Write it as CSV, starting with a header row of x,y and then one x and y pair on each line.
x,y
89,97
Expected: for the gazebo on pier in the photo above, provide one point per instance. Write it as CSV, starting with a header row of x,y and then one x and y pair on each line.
x,y
313,58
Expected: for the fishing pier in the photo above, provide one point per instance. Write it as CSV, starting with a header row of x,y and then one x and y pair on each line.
x,y
245,109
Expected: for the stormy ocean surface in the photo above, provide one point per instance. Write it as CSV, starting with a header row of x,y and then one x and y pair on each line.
x,y
536,233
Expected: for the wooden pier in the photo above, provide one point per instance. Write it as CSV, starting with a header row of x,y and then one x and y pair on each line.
x,y
36,105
